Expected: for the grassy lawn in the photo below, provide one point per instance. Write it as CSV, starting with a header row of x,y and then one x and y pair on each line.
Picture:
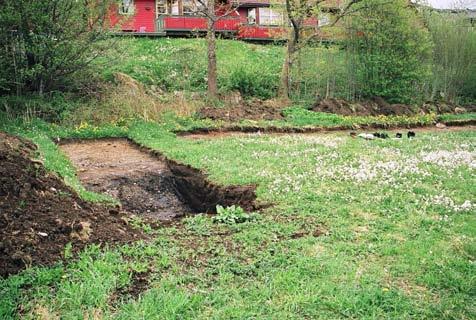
x,y
179,64
358,229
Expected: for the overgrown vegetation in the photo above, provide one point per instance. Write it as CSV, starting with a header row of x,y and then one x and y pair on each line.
x,y
454,53
390,52
48,45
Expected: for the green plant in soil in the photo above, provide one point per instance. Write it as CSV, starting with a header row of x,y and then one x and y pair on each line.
x,y
232,214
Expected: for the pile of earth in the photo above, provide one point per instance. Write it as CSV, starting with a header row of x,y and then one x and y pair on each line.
x,y
378,106
39,214
236,108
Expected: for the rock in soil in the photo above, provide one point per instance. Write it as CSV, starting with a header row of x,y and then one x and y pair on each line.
x,y
39,214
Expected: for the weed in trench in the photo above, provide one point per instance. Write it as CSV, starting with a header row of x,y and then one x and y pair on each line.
x,y
233,214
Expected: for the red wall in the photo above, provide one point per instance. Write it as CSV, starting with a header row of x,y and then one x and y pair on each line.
x,y
143,19
261,32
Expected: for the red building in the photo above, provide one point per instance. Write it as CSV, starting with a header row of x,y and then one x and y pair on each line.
x,y
250,19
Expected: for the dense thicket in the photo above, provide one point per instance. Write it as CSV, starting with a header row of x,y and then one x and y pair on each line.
x,y
454,56
45,44
391,51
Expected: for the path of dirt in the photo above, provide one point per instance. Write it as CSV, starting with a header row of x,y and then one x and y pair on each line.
x,y
142,183
147,183
237,131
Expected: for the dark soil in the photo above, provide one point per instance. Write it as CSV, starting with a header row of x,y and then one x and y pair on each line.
x,y
199,133
39,214
142,183
148,184
203,196
237,109
378,106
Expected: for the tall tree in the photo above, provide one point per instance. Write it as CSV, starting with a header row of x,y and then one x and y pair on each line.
x,y
392,50
214,10
297,12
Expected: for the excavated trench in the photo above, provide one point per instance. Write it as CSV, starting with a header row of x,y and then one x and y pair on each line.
x,y
148,184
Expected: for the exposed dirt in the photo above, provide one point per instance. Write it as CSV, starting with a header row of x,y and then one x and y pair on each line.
x,y
237,109
139,283
39,214
378,106
141,182
203,196
238,131
148,184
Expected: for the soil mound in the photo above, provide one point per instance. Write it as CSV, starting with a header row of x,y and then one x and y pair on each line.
x,y
378,106
237,109
39,214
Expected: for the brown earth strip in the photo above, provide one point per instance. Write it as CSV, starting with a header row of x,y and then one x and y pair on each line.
x,y
378,106
231,130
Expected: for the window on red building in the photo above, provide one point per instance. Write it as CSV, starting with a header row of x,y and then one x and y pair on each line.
x,y
270,17
126,7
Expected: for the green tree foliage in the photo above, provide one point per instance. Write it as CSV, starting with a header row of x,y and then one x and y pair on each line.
x,y
454,57
392,51
44,44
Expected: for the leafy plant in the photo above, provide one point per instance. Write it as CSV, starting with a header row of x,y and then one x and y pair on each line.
x,y
233,214
198,224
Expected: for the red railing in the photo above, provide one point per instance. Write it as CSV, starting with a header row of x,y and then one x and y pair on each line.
x,y
194,23
257,32
237,25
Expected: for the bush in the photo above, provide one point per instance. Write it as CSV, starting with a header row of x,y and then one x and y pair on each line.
x,y
392,51
252,82
49,107
45,44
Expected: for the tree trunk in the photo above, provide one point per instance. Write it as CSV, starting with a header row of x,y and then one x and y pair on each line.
x,y
284,89
212,59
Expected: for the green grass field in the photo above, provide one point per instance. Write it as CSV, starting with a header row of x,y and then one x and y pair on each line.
x,y
180,64
381,229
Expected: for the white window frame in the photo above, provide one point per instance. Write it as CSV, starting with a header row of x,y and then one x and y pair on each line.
x,y
126,7
270,17
252,16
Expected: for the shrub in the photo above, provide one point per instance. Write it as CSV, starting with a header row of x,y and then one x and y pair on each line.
x,y
250,81
45,44
392,51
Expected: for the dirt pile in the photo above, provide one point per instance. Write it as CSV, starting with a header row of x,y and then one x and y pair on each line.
x,y
374,107
238,109
39,214
378,106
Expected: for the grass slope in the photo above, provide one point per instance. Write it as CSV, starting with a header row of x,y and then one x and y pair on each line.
x,y
359,229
